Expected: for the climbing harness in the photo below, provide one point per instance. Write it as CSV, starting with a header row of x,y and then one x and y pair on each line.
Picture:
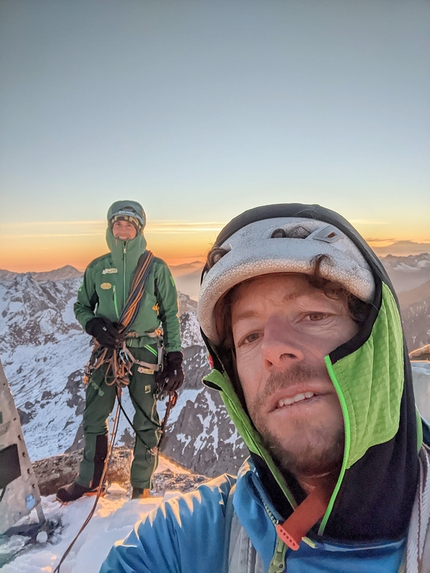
x,y
119,361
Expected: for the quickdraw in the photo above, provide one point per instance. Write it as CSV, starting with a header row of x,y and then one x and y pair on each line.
x,y
119,362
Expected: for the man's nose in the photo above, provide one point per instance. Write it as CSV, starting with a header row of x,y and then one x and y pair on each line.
x,y
281,345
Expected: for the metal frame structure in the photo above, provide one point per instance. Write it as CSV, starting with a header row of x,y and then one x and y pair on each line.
x,y
19,492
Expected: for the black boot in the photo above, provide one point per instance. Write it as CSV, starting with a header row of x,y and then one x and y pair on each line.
x,y
139,493
74,491
99,459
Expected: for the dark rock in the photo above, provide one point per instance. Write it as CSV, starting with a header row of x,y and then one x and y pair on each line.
x,y
204,439
196,366
58,471
24,416
79,440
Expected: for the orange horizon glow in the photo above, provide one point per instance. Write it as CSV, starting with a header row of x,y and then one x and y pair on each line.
x,y
37,251
58,256
39,261
45,246
57,263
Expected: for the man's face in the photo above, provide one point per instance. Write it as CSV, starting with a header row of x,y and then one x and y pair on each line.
x,y
124,230
282,329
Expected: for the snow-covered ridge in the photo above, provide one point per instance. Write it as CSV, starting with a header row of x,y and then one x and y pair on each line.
x,y
407,272
44,350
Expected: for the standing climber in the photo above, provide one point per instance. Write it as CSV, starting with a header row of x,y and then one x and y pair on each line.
x,y
125,297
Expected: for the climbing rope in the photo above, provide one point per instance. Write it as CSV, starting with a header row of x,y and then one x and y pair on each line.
x,y
100,490
171,402
137,288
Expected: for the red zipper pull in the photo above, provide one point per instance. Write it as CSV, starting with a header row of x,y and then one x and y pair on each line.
x,y
311,510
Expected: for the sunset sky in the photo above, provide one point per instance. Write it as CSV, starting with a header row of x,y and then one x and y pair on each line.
x,y
201,109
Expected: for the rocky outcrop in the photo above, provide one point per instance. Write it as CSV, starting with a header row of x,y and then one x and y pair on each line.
x,y
57,471
34,312
203,437
195,365
416,323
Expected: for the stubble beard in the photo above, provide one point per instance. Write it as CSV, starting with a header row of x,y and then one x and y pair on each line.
x,y
313,449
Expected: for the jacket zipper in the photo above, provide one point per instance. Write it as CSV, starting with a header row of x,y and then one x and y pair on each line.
x,y
277,565
278,562
115,302
124,260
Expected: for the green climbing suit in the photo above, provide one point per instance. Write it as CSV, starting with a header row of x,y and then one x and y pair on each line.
x,y
103,292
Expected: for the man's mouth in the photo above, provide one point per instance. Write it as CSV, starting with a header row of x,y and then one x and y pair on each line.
x,y
294,399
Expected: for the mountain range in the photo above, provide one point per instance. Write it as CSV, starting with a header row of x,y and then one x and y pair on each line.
x,y
408,272
187,278
400,248
66,272
44,350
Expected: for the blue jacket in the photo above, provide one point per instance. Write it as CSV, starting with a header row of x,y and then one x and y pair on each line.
x,y
189,534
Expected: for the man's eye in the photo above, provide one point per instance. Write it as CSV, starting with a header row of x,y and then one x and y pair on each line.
x,y
317,316
250,338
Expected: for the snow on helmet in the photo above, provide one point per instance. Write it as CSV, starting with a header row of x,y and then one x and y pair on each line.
x,y
271,245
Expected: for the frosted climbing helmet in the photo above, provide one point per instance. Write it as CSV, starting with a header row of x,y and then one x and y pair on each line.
x,y
259,242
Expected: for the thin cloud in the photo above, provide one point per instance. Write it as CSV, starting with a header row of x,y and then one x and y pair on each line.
x,y
379,240
49,223
47,235
49,229
403,248
367,222
184,226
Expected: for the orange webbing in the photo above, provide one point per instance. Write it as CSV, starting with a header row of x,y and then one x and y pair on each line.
x,y
311,510
136,291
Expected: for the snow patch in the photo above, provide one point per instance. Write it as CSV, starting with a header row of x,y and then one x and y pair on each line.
x,y
68,313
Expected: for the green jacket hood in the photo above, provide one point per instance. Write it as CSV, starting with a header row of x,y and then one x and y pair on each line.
x,y
131,249
371,373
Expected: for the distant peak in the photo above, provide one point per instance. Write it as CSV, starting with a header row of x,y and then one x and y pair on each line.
x,y
68,268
